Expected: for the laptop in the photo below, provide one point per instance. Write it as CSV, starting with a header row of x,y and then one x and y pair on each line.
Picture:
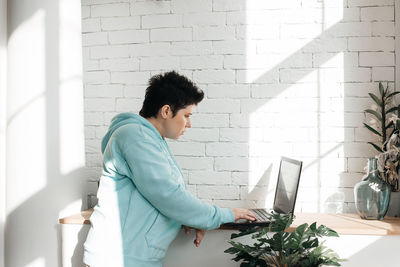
x,y
285,195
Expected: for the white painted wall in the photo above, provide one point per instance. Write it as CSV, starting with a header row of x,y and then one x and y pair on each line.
x,y
44,127
3,89
281,78
356,249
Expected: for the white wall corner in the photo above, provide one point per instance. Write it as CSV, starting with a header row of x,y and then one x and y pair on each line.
x,y
3,90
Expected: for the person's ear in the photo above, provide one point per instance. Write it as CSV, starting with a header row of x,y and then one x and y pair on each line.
x,y
165,111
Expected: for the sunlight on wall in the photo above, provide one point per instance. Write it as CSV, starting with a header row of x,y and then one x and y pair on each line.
x,y
324,150
360,244
26,104
39,262
72,147
71,208
333,15
71,121
297,106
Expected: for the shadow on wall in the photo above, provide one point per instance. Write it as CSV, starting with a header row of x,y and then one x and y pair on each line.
x,y
32,235
77,257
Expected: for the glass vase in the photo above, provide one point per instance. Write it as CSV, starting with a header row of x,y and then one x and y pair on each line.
x,y
372,194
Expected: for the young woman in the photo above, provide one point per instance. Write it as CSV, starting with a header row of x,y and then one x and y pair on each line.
x,y
143,201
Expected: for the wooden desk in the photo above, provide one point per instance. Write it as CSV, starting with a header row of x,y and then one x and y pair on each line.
x,y
366,243
80,218
348,224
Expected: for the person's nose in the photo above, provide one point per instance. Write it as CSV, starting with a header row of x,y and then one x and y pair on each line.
x,y
188,124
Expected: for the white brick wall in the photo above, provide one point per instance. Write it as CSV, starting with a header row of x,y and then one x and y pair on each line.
x,y
281,78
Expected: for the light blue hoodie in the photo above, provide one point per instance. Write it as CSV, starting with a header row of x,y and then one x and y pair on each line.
x,y
143,201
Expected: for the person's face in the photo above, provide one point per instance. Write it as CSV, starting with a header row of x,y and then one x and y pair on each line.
x,y
176,126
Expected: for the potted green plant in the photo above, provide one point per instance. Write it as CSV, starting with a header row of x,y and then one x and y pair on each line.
x,y
277,247
385,124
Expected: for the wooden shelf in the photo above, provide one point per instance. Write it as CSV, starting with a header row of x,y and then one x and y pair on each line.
x,y
347,224
80,218
350,224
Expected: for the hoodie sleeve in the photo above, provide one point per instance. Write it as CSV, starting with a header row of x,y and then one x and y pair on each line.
x,y
150,172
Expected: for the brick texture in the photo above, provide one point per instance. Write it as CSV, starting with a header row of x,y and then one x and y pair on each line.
x,y
280,77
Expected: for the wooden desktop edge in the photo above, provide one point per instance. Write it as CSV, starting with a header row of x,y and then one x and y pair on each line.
x,y
343,223
80,218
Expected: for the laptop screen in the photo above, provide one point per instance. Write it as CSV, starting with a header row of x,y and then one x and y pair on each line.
x,y
286,189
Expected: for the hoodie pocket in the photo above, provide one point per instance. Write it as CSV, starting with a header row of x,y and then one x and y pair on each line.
x,y
160,234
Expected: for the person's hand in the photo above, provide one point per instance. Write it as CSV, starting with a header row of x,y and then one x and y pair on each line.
x,y
199,234
243,214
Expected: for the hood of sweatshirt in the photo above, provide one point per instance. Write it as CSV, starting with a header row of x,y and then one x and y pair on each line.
x,y
123,119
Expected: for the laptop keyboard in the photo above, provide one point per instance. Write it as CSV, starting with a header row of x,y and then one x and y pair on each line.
x,y
261,214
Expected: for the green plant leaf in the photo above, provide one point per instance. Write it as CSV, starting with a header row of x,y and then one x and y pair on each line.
x,y
381,89
372,129
373,112
387,88
313,226
297,236
299,248
391,110
311,243
326,231
243,232
376,99
231,250
393,94
376,147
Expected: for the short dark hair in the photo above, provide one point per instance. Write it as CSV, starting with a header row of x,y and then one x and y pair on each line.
x,y
171,89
